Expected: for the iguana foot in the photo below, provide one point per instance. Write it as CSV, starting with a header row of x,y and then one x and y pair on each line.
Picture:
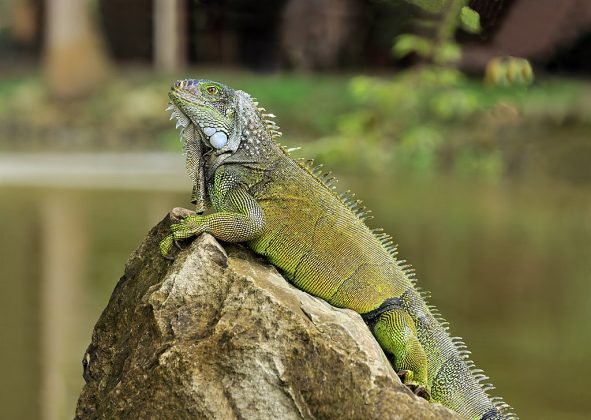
x,y
166,246
178,215
419,390
403,374
189,226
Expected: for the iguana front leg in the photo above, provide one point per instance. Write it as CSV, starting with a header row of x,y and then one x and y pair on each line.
x,y
239,217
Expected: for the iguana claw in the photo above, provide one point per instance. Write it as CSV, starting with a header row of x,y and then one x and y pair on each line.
x,y
187,226
419,390
402,374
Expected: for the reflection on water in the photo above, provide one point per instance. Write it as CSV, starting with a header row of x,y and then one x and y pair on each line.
x,y
508,265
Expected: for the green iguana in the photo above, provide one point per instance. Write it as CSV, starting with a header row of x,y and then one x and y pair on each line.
x,y
290,213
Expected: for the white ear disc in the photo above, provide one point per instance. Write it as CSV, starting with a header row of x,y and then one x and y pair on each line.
x,y
209,131
218,140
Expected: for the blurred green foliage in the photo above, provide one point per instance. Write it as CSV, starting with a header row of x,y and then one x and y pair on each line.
x,y
128,111
507,71
437,25
470,20
420,121
434,118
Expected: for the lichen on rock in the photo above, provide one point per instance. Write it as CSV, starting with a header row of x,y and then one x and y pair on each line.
x,y
218,333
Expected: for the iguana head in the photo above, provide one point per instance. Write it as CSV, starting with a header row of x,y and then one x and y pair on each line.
x,y
219,125
209,105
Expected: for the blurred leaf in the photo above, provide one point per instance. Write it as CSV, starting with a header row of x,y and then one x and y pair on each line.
x,y
509,71
430,77
420,139
355,124
360,86
470,20
351,151
448,52
418,149
488,164
408,43
519,71
454,104
496,72
528,73
431,6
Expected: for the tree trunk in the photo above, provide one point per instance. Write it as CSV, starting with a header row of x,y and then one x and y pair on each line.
x,y
74,59
168,30
24,22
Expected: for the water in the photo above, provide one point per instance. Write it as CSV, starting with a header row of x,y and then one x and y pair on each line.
x,y
508,266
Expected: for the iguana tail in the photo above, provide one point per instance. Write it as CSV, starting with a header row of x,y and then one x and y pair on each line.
x,y
430,361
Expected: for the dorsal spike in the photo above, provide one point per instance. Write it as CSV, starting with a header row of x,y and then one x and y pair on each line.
x,y
488,387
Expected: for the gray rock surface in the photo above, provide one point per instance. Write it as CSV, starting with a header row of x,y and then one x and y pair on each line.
x,y
218,333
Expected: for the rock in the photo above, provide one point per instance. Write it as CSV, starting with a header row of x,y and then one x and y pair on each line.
x,y
218,333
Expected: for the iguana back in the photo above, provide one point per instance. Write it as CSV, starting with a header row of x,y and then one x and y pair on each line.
x,y
320,243
285,210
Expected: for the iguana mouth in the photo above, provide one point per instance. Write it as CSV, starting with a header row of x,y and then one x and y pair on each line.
x,y
182,120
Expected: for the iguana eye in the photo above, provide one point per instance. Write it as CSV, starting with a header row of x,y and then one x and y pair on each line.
x,y
213,90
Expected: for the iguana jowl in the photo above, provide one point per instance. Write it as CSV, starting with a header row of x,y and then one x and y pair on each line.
x,y
286,211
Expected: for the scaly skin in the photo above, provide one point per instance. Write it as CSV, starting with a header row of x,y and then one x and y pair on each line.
x,y
287,212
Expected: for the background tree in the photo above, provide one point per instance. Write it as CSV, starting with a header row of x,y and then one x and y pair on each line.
x,y
74,59
168,29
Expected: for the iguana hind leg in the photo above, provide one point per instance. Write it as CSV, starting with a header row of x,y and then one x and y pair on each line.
x,y
396,332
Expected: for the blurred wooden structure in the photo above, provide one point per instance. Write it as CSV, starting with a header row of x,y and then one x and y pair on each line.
x,y
74,61
305,34
534,29
169,28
